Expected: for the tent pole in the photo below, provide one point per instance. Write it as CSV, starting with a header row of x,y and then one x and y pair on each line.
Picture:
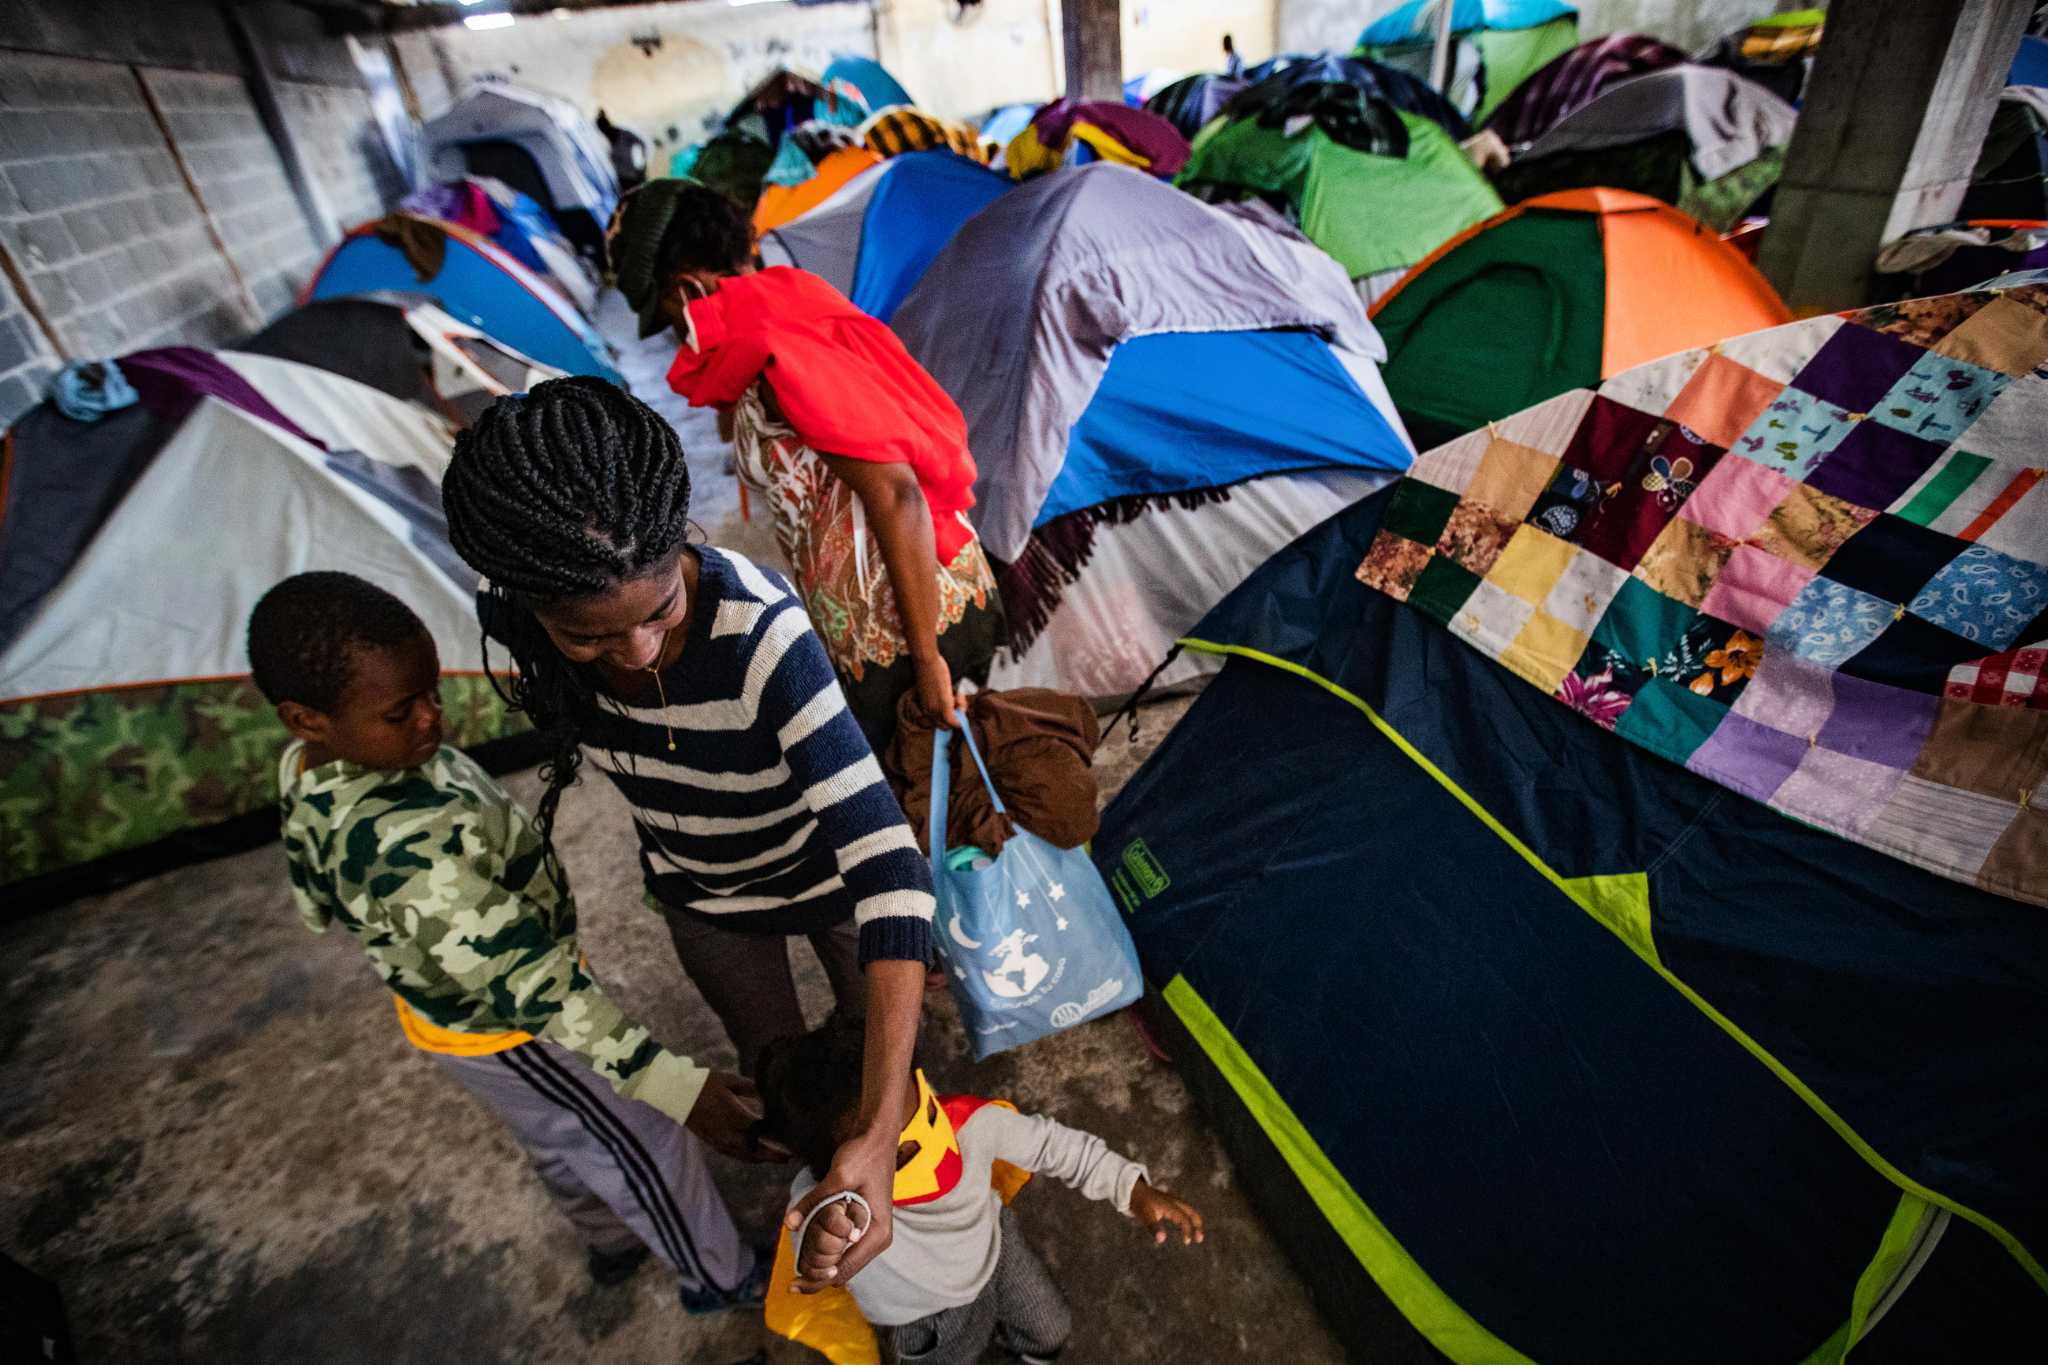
x,y
1440,58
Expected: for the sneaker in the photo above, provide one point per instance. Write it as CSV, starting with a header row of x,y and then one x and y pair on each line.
x,y
752,1290
608,1268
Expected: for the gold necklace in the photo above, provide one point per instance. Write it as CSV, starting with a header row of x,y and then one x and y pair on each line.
x,y
659,690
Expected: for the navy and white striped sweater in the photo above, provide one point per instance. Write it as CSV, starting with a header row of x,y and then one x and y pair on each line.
x,y
772,814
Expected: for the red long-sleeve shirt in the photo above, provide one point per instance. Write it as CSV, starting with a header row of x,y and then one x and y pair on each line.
x,y
842,380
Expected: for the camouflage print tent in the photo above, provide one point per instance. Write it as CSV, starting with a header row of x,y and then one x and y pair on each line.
x,y
131,551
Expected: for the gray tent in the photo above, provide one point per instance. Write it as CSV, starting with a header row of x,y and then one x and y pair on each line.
x,y
826,241
1159,395
1700,137
1084,259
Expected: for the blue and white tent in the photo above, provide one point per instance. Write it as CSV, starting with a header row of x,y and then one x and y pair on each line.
x,y
1168,394
874,238
474,281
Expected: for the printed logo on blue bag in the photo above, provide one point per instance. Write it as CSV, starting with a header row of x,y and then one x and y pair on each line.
x,y
1013,968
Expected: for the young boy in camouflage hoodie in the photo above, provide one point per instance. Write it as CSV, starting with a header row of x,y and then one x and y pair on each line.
x,y
464,912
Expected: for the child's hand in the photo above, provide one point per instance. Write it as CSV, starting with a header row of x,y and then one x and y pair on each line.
x,y
1156,1208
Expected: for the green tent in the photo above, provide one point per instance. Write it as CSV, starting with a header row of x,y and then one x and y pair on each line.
x,y
1373,213
1498,45
1557,293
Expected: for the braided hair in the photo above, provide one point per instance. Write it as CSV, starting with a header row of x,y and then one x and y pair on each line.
x,y
560,493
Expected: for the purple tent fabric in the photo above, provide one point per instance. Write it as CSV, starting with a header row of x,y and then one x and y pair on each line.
x,y
1570,82
1145,133
462,202
171,380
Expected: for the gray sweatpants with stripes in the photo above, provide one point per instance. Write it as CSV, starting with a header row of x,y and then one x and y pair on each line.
x,y
622,1171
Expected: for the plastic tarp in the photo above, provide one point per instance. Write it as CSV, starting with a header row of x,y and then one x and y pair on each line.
x,y
1084,260
1180,411
478,284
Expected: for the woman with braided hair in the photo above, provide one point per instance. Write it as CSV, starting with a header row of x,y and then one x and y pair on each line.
x,y
862,455
692,678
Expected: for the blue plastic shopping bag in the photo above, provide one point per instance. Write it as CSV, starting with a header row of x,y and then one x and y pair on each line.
x,y
1030,937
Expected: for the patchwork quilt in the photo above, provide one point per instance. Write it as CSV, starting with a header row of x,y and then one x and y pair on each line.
x,y
1810,563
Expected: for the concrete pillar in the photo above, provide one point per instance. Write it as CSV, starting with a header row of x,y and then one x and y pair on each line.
x,y
1094,47
1894,115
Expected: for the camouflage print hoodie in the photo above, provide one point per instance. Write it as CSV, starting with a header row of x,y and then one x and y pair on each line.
x,y
441,876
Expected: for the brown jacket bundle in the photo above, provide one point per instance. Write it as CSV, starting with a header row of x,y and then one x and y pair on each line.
x,y
1038,745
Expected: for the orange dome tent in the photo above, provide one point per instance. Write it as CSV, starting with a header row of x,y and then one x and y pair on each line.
x,y
1556,293
781,204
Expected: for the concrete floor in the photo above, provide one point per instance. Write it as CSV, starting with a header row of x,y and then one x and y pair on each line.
x,y
214,1138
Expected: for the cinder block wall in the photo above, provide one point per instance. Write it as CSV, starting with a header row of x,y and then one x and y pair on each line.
x,y
98,220
129,225
26,363
241,186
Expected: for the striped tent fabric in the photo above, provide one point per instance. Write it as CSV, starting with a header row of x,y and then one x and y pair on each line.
x,y
1570,82
896,131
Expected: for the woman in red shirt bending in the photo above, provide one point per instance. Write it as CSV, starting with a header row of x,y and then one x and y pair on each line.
x,y
862,456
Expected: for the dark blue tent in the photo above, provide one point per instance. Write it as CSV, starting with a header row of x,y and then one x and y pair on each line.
x,y
1575,1055
2030,63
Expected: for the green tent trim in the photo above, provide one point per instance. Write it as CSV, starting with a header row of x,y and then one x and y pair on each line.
x,y
1434,1313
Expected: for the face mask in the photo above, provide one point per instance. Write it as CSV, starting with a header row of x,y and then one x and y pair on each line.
x,y
936,1167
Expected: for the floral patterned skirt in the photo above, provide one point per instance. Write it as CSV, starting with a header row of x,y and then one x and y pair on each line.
x,y
837,565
